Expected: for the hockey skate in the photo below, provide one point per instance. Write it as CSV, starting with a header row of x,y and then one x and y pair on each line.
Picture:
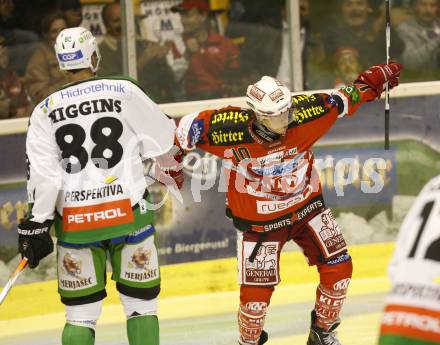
x,y
263,338
318,336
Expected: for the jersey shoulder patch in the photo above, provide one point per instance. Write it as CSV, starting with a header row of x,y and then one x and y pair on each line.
x,y
308,108
229,127
45,106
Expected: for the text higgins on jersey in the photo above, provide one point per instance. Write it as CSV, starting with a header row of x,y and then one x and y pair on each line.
x,y
103,105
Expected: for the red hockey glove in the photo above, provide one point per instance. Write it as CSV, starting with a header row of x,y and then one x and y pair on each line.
x,y
169,168
378,76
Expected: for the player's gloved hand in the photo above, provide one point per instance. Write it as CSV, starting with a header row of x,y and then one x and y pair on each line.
x,y
177,173
34,241
169,168
378,76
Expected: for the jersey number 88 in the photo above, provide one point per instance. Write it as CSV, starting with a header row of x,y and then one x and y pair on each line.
x,y
107,152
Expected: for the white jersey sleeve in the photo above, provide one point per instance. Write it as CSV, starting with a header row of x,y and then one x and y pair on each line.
x,y
43,167
155,131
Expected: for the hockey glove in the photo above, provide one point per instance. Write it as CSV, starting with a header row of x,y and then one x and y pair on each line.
x,y
378,76
34,241
169,168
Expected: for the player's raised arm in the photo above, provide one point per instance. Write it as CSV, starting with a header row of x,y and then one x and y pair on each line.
x,y
214,130
317,113
370,84
367,87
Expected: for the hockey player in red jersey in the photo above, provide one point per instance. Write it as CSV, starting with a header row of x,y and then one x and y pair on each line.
x,y
274,194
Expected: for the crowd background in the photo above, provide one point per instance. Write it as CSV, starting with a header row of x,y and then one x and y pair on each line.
x,y
200,49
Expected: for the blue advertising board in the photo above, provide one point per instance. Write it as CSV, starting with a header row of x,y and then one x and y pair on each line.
x,y
196,228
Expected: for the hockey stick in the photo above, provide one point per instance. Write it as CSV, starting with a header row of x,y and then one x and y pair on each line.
x,y
387,91
20,268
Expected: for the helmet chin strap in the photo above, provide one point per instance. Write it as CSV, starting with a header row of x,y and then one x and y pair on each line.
x,y
265,132
279,131
267,124
96,58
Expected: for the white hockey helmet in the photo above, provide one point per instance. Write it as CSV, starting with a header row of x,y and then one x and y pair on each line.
x,y
74,48
268,97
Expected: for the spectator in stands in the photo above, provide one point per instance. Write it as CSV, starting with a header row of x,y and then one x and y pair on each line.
x,y
154,74
213,59
401,10
72,12
43,76
347,66
256,27
21,43
14,100
362,27
6,11
312,53
421,35
158,23
110,47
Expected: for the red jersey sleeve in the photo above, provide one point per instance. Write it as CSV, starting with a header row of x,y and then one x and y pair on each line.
x,y
314,115
215,130
353,96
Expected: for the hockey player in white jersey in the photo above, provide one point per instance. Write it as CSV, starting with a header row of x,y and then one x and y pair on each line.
x,y
412,311
85,146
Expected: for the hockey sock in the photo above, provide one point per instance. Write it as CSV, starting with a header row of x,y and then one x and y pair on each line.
x,y
143,330
77,335
252,313
331,292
